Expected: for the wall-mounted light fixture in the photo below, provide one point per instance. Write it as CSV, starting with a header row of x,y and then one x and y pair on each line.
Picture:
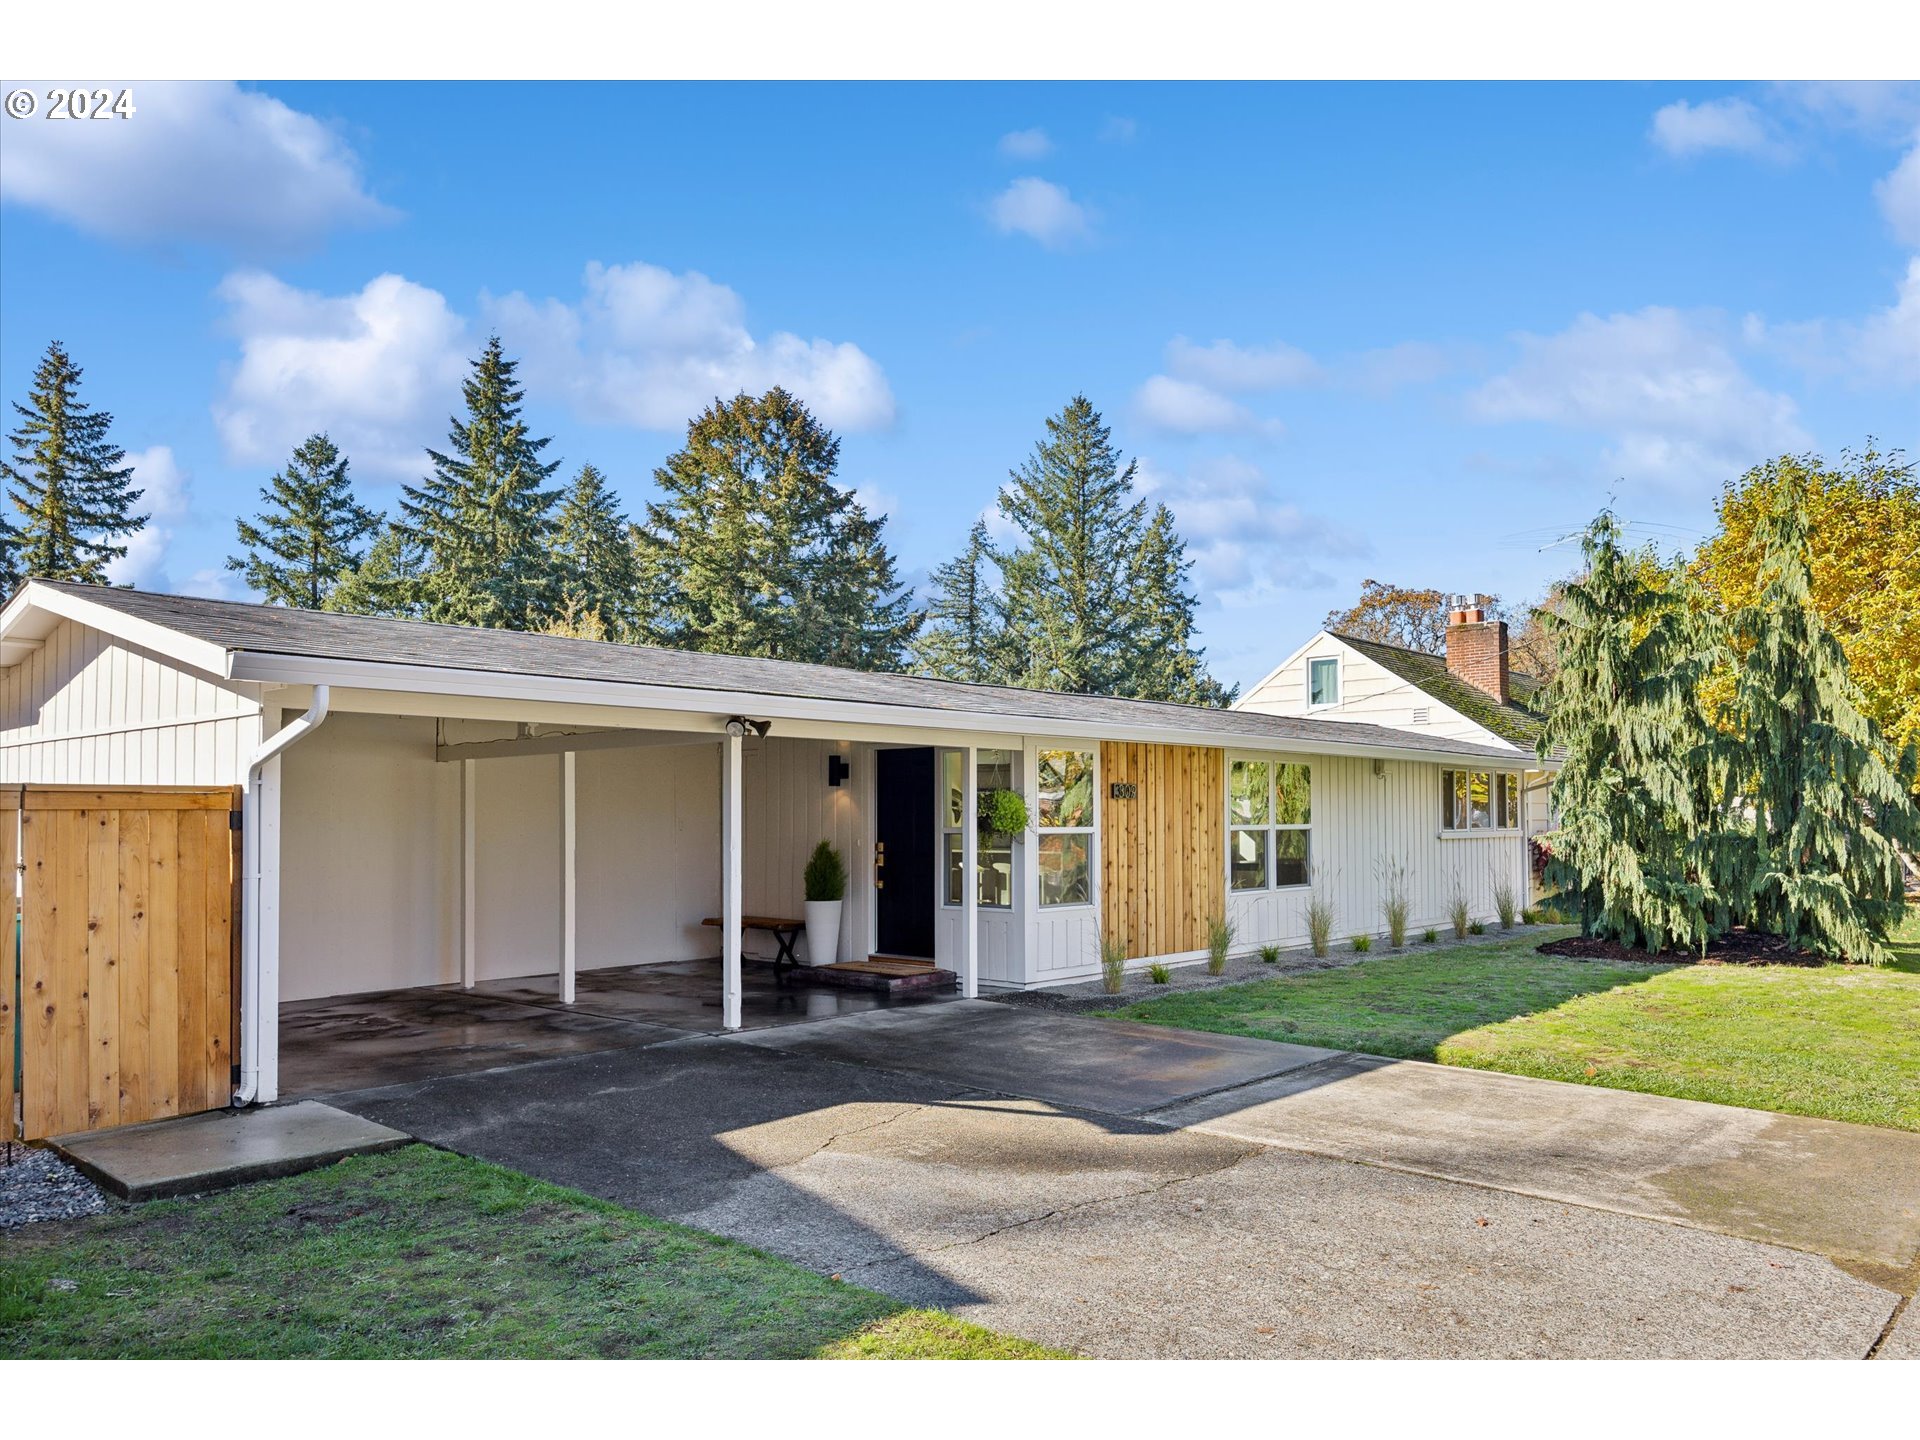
x,y
838,771
1379,768
740,727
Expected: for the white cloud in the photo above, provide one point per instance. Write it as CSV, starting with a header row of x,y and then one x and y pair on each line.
x,y
646,347
1899,196
1880,351
1119,130
199,161
1042,211
1031,144
1246,542
1684,129
1184,407
164,497
377,369
1224,365
1664,388
1396,367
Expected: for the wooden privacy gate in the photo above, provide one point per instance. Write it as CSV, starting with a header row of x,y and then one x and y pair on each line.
x,y
127,961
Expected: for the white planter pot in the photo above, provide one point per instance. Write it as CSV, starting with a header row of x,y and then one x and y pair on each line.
x,y
823,931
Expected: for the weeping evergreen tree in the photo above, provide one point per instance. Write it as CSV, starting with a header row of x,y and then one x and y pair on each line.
x,y
387,582
1634,851
67,480
965,636
482,519
309,537
1830,797
754,549
593,558
1167,664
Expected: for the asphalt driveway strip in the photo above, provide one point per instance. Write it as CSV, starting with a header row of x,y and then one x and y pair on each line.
x,y
1049,1176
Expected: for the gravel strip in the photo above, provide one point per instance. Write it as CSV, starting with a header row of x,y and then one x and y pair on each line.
x,y
1089,995
39,1185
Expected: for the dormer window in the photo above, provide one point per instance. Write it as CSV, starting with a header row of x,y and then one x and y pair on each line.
x,y
1323,681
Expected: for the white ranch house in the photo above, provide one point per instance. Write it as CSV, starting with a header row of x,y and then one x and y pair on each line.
x,y
431,806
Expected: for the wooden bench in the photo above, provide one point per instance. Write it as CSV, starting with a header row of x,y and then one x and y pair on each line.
x,y
784,932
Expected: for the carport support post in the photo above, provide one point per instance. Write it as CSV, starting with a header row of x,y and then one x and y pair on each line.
x,y
569,888
970,873
730,882
468,938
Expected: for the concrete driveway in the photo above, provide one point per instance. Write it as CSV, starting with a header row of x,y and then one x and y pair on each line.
x,y
1125,1190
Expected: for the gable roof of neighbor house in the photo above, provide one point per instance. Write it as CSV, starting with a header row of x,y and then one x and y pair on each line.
x,y
250,634
1512,722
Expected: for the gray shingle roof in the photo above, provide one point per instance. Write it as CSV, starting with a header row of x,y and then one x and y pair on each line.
x,y
1511,722
278,630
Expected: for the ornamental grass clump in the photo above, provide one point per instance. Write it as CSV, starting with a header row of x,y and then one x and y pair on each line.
x,y
1506,904
1269,954
1478,927
1159,974
1320,918
1219,941
1459,913
1362,944
1429,936
1394,905
1113,962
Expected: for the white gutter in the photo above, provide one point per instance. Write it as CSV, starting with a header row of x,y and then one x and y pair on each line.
x,y
250,1018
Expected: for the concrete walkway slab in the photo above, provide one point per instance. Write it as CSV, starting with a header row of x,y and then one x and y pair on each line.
x,y
1903,1341
196,1153
1847,1191
1115,1067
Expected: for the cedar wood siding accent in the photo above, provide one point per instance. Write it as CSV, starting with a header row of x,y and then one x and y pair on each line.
x,y
1163,862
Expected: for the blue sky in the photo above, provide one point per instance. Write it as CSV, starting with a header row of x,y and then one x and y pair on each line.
x,y
1404,331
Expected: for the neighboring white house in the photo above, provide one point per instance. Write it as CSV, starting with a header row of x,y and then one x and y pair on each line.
x,y
452,805
1468,692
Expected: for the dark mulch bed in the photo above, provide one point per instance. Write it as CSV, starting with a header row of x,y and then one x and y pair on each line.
x,y
1737,947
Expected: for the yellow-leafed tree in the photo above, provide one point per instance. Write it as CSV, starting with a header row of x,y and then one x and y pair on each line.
x,y
1864,519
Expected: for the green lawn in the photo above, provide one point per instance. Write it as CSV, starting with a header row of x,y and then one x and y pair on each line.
x,y
1837,1041
419,1253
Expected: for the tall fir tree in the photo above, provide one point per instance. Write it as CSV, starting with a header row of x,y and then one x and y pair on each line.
x,y
68,481
1066,579
482,519
387,582
593,557
310,536
1635,789
1831,798
1168,665
965,636
754,549
1094,579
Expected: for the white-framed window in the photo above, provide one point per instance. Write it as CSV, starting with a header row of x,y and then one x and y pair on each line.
x,y
993,770
1064,849
1323,681
1269,823
1479,800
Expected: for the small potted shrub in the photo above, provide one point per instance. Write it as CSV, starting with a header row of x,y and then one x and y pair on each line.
x,y
826,884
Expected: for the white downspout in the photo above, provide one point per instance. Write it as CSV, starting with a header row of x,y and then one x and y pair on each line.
x,y
250,1018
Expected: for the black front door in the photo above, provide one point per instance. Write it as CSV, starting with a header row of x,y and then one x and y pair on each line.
x,y
903,861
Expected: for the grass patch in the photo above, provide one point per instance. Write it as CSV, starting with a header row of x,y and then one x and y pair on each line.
x,y
422,1254
1841,1042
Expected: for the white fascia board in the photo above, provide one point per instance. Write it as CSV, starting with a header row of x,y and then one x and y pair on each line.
x,y
842,718
23,612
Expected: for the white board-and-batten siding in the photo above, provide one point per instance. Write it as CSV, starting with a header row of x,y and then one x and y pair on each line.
x,y
89,709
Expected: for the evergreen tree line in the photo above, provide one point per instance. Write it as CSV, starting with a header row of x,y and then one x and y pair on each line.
x,y
752,547
1719,766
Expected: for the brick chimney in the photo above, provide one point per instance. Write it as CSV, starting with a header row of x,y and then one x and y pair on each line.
x,y
1477,646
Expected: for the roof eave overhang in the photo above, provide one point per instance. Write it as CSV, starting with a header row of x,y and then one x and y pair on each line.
x,y
270,668
37,609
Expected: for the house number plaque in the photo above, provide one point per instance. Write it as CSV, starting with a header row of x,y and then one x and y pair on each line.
x,y
1123,790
